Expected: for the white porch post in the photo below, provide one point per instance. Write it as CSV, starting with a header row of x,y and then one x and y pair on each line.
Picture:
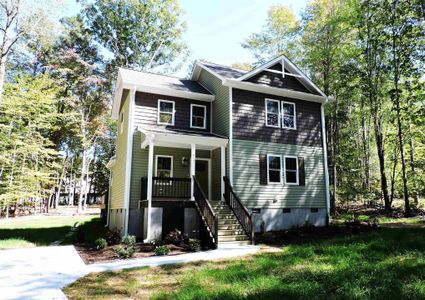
x,y
223,170
192,170
149,189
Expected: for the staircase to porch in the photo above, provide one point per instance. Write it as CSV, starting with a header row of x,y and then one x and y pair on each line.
x,y
226,222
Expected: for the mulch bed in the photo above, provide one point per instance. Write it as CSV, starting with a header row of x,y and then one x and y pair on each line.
x,y
307,234
91,255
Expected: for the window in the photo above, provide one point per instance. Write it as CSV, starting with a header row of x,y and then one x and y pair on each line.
x,y
198,116
274,168
164,166
291,170
272,113
166,112
288,115
122,123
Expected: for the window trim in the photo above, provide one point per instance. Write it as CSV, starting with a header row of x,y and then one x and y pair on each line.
x,y
205,116
295,115
122,123
268,171
278,114
172,114
156,164
296,171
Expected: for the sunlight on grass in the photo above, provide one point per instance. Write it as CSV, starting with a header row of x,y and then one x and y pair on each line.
x,y
15,243
386,264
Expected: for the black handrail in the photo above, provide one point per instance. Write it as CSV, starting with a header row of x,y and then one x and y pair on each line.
x,y
206,211
167,187
239,210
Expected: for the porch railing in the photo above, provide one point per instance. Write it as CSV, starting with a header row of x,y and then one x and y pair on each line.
x,y
164,187
239,210
206,211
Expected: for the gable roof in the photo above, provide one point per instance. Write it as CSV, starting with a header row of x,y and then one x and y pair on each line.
x,y
157,84
238,78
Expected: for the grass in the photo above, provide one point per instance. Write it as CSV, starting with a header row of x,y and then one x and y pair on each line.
x,y
381,219
43,230
388,263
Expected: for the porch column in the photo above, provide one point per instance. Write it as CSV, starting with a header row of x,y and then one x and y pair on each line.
x,y
192,170
149,189
223,170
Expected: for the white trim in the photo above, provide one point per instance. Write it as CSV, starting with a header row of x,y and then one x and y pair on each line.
x,y
325,163
265,89
295,115
196,73
129,158
281,173
231,135
209,174
192,170
166,156
149,191
278,112
260,68
296,171
173,113
205,116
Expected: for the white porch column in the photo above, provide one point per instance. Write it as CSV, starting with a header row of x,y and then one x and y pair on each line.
x,y
149,189
223,170
192,170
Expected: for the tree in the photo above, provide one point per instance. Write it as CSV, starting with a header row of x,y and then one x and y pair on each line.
x,y
280,35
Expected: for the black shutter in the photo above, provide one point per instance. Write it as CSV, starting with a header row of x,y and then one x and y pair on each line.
x,y
301,171
263,169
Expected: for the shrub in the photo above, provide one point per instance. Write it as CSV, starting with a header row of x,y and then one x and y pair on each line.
x,y
113,237
176,237
100,243
194,245
162,250
129,240
125,252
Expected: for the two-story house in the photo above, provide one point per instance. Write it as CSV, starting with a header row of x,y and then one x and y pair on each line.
x,y
221,155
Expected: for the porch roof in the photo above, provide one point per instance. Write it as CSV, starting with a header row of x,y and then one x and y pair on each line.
x,y
165,137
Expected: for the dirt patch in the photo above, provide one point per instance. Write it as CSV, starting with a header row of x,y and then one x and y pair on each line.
x,y
307,234
92,255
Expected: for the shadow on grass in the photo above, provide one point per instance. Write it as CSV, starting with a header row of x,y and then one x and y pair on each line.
x,y
86,232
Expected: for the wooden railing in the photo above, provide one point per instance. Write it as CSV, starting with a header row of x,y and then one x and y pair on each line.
x,y
206,211
163,187
239,210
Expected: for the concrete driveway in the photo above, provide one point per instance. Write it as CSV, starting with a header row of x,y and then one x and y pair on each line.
x,y
41,273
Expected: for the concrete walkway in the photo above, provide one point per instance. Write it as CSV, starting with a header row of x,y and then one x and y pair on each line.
x,y
41,273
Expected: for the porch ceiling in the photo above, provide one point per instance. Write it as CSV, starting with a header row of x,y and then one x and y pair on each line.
x,y
181,139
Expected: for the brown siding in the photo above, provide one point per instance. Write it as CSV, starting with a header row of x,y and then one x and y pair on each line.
x,y
146,111
249,121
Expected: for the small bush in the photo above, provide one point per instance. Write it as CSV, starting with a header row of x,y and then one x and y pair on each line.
x,y
101,243
194,245
129,240
113,237
176,237
162,250
125,252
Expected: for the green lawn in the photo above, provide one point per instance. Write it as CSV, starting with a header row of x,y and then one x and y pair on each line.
x,y
363,217
43,230
388,263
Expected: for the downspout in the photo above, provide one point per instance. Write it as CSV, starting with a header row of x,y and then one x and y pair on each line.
x,y
129,160
230,135
109,200
325,163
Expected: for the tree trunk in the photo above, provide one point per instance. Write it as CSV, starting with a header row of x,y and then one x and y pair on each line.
x,y
393,174
413,168
82,182
381,155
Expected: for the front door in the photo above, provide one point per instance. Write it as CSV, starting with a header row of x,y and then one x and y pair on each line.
x,y
202,175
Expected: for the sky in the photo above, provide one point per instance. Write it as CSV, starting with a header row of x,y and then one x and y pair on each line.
x,y
216,28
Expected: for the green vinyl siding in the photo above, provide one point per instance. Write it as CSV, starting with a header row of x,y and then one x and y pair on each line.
x,y
220,106
139,167
119,169
246,177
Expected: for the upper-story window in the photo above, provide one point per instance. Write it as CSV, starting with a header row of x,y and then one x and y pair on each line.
x,y
198,116
280,114
288,115
122,123
272,113
166,112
